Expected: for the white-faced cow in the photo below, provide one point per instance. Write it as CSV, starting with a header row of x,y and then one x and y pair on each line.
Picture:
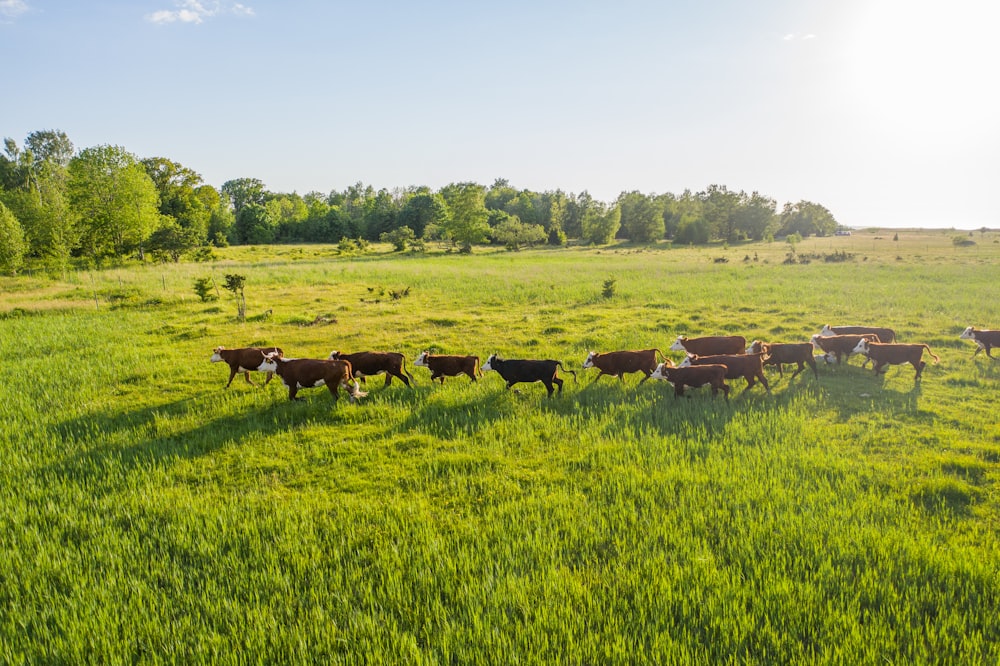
x,y
836,346
243,360
527,371
369,364
781,353
748,366
442,365
883,354
984,339
617,363
299,373
884,334
712,345
694,376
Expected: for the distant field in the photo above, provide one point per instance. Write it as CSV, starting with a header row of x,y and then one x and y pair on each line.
x,y
148,514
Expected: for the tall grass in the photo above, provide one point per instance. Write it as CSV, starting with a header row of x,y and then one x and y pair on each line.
x,y
148,514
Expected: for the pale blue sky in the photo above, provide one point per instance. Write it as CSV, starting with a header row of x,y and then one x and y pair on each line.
x,y
887,112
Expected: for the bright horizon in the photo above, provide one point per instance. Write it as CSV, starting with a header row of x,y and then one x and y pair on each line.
x,y
883,111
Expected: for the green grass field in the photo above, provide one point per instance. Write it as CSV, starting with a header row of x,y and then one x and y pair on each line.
x,y
149,515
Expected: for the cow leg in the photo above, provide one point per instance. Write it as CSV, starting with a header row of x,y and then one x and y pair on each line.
x,y
812,362
402,378
802,366
988,348
292,390
558,382
920,369
600,374
471,375
388,378
678,390
270,376
246,376
725,390
648,375
763,380
621,377
334,390
232,373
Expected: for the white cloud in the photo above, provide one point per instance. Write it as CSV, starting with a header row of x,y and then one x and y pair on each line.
x,y
12,8
193,11
795,37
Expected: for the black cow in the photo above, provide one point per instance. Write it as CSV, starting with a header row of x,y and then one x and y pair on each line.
x,y
527,371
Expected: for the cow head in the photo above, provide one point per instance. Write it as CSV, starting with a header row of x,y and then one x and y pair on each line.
x,y
968,334
686,363
270,362
861,347
589,363
489,363
216,354
334,355
815,342
661,371
678,343
827,331
422,359
756,347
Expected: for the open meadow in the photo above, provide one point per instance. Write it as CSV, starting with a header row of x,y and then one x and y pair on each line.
x,y
147,514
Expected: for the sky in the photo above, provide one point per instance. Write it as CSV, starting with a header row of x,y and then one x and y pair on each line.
x,y
886,112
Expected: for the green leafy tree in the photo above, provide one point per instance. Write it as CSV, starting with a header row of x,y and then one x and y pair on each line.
x,y
806,219
114,200
756,216
514,233
243,192
235,284
254,225
641,217
719,207
399,238
172,240
467,224
422,209
12,243
600,224
183,195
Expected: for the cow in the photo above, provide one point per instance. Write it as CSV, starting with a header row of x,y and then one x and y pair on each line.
x,y
884,334
748,366
781,353
694,376
527,371
369,363
442,366
841,345
882,354
984,339
710,346
299,373
243,360
617,363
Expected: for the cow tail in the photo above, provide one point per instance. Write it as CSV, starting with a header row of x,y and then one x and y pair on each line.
x,y
933,356
407,371
572,372
479,370
663,357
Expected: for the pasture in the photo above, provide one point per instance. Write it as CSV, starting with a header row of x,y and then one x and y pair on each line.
x,y
147,514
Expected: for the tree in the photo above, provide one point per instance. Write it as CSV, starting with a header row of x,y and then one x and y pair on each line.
x,y
756,216
254,225
513,233
235,283
719,206
641,217
183,195
806,218
51,146
467,224
12,243
242,192
172,240
399,238
422,209
600,224
114,200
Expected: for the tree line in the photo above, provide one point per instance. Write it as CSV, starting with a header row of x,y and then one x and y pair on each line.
x,y
59,205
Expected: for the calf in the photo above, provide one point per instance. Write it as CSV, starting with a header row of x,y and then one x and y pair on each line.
x,y
984,339
516,372
841,345
369,363
883,354
780,353
748,366
617,363
298,373
711,345
442,366
694,376
884,334
244,360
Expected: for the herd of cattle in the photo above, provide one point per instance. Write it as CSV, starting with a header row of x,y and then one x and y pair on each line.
x,y
709,361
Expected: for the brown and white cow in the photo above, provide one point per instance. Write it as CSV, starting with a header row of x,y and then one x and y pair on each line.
x,y
370,363
884,334
835,346
748,366
710,345
985,339
694,376
443,365
883,354
244,359
299,373
781,353
617,363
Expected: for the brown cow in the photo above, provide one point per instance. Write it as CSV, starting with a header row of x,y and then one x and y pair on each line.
x,y
710,346
780,353
243,360
841,345
617,363
884,334
442,366
883,354
369,364
984,339
694,376
298,373
748,366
